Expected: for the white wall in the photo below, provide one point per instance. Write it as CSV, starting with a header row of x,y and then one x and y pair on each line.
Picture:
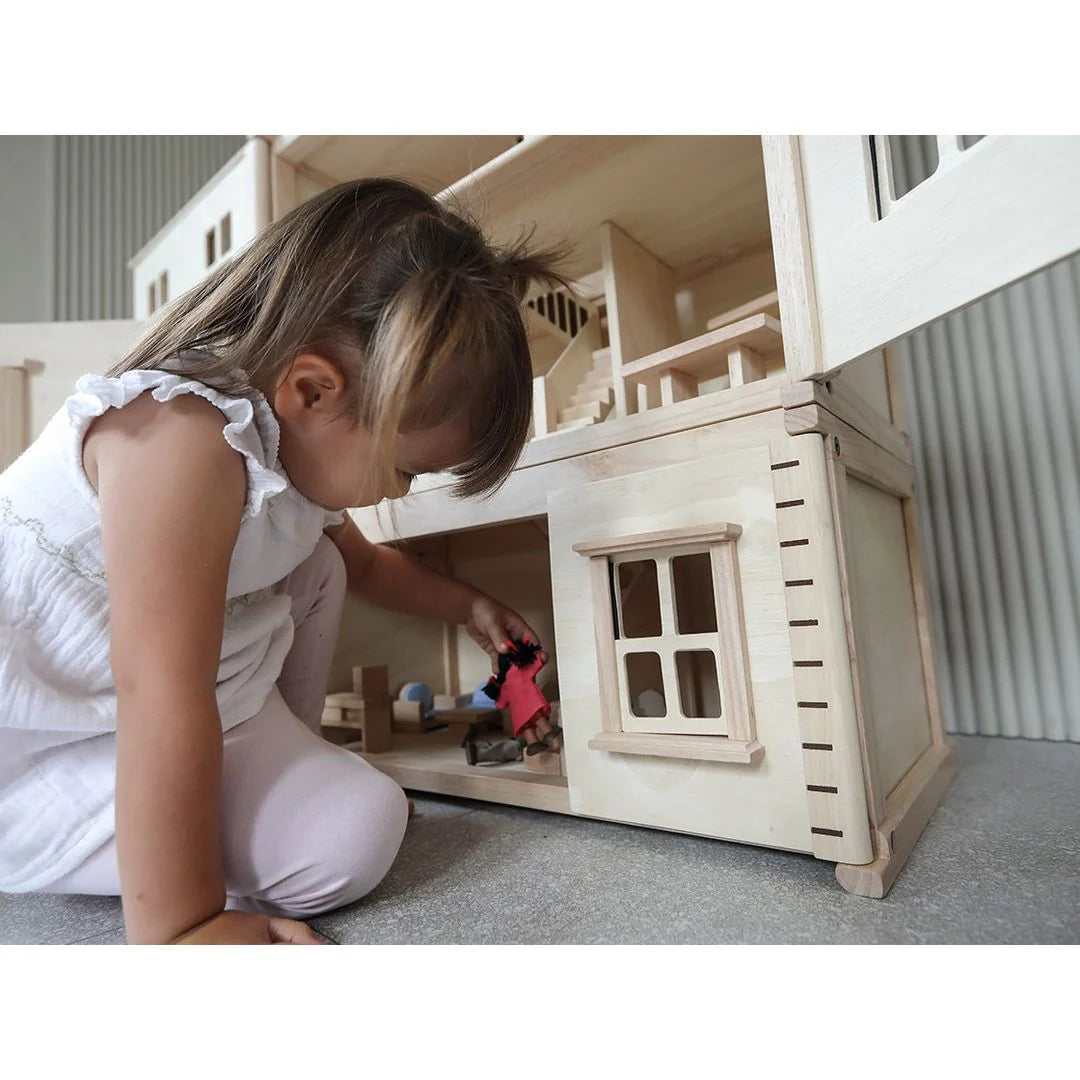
x,y
59,353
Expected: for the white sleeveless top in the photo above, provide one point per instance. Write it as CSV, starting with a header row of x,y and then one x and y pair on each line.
x,y
57,699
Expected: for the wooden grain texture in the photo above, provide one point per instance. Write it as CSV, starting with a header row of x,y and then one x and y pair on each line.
x,y
706,409
847,405
431,161
283,190
607,682
795,283
862,458
886,625
745,365
706,356
737,692
524,495
925,629
908,811
640,294
765,803
821,667
861,670
877,280
695,534
768,304
549,763
690,200
676,386
685,747
436,763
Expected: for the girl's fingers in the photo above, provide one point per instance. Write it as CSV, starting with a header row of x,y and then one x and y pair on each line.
x,y
291,932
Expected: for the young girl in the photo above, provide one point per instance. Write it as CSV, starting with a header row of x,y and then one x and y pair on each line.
x,y
173,563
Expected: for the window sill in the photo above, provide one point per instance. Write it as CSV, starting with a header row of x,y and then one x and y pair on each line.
x,y
693,747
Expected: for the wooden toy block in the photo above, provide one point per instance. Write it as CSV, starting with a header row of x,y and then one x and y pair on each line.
x,y
443,702
549,763
409,717
371,682
347,718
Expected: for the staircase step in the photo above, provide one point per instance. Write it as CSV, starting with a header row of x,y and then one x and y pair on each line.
x,y
602,356
592,410
603,394
572,425
595,384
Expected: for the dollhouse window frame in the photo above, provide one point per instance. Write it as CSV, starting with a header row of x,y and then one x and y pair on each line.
x,y
621,730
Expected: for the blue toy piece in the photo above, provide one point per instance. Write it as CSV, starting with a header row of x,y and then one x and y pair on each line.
x,y
418,691
480,699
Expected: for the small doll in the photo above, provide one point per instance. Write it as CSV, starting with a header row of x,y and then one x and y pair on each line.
x,y
515,687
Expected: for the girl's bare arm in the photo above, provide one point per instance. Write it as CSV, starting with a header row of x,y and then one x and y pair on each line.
x,y
171,493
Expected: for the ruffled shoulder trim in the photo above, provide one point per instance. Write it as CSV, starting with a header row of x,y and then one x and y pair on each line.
x,y
252,429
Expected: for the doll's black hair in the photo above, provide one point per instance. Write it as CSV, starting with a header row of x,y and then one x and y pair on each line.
x,y
521,655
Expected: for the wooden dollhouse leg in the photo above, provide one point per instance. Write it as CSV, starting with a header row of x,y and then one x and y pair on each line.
x,y
907,811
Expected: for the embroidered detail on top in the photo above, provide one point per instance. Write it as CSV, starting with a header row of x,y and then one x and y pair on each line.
x,y
12,520
238,603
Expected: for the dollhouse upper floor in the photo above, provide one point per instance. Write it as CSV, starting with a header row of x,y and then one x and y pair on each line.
x,y
673,318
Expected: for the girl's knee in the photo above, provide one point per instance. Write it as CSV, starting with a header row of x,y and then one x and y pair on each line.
x,y
353,851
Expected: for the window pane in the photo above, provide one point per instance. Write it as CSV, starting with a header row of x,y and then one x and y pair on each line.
x,y
695,605
210,248
645,682
226,233
699,686
914,160
639,599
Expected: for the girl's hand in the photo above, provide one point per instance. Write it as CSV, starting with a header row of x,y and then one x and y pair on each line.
x,y
243,928
491,626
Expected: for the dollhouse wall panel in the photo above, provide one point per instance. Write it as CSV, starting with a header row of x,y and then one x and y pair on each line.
x,y
524,495
883,266
886,630
763,802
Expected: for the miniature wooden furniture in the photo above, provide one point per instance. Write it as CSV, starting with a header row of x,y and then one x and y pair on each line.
x,y
362,716
468,718
412,709
713,528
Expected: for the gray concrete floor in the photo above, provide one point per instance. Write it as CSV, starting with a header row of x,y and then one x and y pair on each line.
x,y
998,863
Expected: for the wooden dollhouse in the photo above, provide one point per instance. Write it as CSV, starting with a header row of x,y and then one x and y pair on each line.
x,y
712,528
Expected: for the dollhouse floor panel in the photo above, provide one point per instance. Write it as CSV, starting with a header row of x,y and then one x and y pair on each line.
x,y
1005,834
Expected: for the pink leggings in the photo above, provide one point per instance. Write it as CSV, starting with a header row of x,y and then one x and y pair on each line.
x,y
306,826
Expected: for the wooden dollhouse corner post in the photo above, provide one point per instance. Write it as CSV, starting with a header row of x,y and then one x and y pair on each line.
x,y
14,413
906,779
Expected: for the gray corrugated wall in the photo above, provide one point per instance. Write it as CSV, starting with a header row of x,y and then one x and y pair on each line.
x,y
112,194
993,396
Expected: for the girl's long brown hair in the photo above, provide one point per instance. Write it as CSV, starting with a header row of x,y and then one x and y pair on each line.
x,y
405,295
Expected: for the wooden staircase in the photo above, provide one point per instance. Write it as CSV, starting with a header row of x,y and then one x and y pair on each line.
x,y
592,400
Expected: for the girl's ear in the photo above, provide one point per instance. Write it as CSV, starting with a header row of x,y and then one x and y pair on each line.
x,y
313,386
